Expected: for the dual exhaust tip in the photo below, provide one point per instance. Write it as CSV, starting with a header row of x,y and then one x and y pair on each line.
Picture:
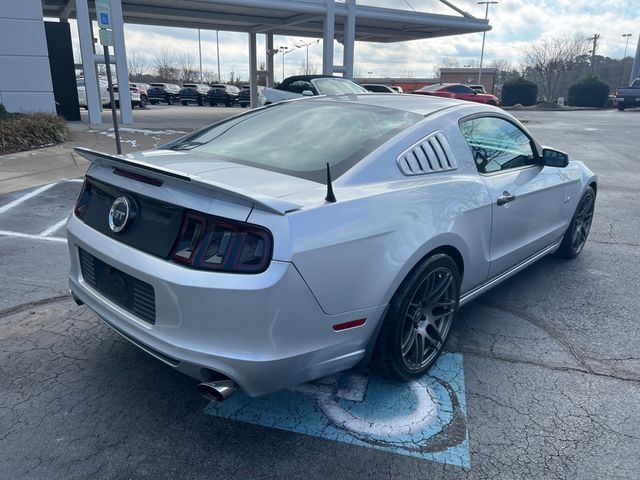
x,y
217,391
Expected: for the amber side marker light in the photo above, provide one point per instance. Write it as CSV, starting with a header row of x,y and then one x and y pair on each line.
x,y
350,324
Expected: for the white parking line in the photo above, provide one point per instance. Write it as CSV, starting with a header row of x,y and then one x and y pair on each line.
x,y
53,228
26,197
7,233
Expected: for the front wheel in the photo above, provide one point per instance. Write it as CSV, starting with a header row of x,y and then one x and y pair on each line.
x,y
169,100
419,319
143,101
576,235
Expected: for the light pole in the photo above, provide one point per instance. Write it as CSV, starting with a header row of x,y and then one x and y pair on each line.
x,y
305,44
624,57
284,51
484,34
200,55
218,54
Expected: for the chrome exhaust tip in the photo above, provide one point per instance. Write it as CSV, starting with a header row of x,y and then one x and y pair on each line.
x,y
217,391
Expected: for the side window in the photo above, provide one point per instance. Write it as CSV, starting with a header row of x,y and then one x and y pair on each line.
x,y
300,86
497,144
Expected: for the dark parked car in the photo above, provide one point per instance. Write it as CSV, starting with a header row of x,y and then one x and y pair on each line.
x,y
244,96
628,97
163,92
193,93
223,95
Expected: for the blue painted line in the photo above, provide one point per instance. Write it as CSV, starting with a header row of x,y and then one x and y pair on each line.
x,y
426,419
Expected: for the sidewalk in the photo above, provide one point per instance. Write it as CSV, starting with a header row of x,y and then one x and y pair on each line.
x,y
151,128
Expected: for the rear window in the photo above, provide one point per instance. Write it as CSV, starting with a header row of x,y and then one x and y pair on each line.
x,y
337,86
300,138
431,88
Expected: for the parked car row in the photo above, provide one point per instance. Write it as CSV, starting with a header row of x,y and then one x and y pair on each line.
x,y
138,92
293,87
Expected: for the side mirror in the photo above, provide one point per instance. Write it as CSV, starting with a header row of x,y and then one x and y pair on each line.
x,y
307,93
554,158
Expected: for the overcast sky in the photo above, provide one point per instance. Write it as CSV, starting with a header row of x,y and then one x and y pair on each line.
x,y
516,23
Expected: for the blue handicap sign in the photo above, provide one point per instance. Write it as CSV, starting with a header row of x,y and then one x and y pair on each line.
x,y
426,418
104,18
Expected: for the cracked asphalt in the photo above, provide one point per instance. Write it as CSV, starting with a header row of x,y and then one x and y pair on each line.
x,y
551,361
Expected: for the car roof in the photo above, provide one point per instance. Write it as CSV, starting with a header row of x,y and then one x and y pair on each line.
x,y
311,77
418,104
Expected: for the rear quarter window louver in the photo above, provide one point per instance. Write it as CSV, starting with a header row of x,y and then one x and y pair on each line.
x,y
432,154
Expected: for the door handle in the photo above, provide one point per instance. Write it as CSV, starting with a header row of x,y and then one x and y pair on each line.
x,y
505,198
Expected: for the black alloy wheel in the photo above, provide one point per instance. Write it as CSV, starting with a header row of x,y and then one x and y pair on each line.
x,y
419,319
576,235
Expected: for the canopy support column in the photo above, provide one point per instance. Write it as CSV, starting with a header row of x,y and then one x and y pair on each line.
x,y
328,33
270,54
635,70
122,69
253,70
349,38
91,87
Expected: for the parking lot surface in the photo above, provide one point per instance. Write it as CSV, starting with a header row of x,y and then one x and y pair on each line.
x,y
541,379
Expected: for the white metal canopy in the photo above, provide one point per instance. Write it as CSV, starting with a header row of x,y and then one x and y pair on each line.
x,y
330,20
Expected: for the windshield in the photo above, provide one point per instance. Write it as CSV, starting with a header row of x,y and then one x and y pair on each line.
x,y
300,138
337,86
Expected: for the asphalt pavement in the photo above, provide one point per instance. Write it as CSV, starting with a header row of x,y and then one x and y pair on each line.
x,y
541,379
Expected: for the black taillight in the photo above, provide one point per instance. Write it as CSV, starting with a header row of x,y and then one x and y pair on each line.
x,y
83,200
214,243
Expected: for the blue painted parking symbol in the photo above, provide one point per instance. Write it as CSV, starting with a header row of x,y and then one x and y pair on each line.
x,y
424,418
104,18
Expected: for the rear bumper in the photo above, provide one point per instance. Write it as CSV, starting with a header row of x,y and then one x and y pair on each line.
x,y
265,331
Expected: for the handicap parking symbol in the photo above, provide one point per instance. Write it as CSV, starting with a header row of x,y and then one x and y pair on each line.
x,y
104,18
424,418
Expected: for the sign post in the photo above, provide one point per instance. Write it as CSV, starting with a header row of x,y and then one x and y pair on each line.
x,y
105,35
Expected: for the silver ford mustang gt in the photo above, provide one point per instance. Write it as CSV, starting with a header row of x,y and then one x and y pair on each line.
x,y
308,237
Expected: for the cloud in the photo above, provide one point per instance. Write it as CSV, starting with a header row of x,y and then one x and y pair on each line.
x,y
516,24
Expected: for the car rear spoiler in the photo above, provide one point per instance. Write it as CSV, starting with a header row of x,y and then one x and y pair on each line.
x,y
262,202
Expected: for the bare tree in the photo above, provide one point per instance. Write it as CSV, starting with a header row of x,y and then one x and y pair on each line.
x,y
136,63
187,70
164,63
552,58
407,73
210,76
505,71
445,62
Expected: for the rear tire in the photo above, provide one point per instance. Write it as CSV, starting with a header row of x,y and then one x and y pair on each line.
x,y
418,321
576,235
169,100
143,101
200,101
